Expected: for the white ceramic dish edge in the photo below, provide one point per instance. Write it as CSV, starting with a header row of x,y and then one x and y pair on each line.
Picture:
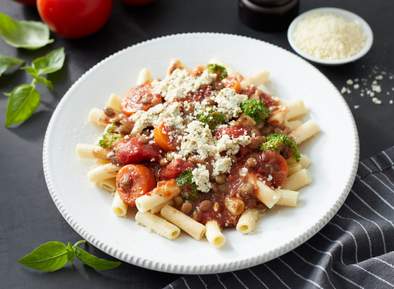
x,y
336,11
206,269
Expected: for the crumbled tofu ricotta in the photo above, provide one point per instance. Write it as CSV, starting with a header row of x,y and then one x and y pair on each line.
x,y
201,178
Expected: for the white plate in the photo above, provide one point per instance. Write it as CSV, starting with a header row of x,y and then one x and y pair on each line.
x,y
339,12
334,154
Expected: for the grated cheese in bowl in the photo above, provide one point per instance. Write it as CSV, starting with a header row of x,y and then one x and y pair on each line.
x,y
330,36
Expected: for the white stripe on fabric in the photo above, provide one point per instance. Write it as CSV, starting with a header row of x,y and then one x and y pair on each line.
x,y
220,281
354,239
380,169
239,280
391,161
170,286
391,223
335,241
332,270
388,264
276,276
366,233
366,167
295,273
202,281
314,265
383,182
384,175
376,193
258,278
372,274
184,280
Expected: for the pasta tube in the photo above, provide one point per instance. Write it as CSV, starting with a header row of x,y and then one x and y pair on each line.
x,y
119,208
214,234
298,180
108,185
144,76
248,220
114,102
305,131
257,78
164,191
287,198
86,151
103,172
264,194
187,224
158,225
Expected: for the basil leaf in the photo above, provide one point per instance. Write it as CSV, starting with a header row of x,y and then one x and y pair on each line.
x,y
48,257
23,101
51,62
25,34
33,72
93,261
70,253
7,62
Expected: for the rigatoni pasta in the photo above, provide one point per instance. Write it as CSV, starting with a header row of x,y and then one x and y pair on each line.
x,y
201,150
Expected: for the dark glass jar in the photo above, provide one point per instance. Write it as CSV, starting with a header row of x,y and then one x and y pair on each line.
x,y
268,15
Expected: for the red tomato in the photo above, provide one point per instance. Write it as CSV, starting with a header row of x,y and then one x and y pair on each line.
x,y
139,97
137,2
74,18
27,2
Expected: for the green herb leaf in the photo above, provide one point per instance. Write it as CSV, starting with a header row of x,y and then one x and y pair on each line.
x,y
255,109
189,189
7,62
276,142
51,62
211,116
48,257
217,69
33,72
93,261
23,101
25,34
70,253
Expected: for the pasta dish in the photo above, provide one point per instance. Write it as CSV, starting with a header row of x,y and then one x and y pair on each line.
x,y
200,150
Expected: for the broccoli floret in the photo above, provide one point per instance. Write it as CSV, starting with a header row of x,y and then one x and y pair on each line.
x,y
218,70
275,142
110,136
189,189
211,117
255,109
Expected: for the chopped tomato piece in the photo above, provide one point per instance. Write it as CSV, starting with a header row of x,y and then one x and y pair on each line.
x,y
176,167
132,151
134,181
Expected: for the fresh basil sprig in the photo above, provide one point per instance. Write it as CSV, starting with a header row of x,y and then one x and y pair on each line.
x,y
24,99
24,34
7,62
54,255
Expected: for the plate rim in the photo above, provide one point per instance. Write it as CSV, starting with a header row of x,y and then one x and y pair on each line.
x,y
208,268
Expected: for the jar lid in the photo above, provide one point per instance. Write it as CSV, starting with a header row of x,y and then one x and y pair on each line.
x,y
268,19
270,3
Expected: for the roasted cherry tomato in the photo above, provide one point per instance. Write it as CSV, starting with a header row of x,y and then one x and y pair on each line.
x,y
175,168
74,18
232,82
140,97
163,139
134,181
27,2
137,2
277,163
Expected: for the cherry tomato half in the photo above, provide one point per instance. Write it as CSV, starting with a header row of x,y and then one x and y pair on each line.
x,y
74,18
27,2
137,2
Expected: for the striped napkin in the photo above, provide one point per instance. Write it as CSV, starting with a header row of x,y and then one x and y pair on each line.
x,y
354,250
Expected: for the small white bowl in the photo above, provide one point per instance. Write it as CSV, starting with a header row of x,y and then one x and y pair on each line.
x,y
339,12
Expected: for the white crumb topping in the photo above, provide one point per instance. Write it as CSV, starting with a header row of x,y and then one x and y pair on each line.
x,y
201,178
229,102
221,165
243,172
179,83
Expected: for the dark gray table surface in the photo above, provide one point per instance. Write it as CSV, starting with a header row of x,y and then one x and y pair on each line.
x,y
28,217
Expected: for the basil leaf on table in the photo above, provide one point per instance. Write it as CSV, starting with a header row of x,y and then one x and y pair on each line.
x,y
7,62
33,72
54,255
93,261
24,34
51,62
23,101
48,257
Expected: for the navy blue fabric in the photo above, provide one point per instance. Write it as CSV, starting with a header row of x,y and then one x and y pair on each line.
x,y
354,250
